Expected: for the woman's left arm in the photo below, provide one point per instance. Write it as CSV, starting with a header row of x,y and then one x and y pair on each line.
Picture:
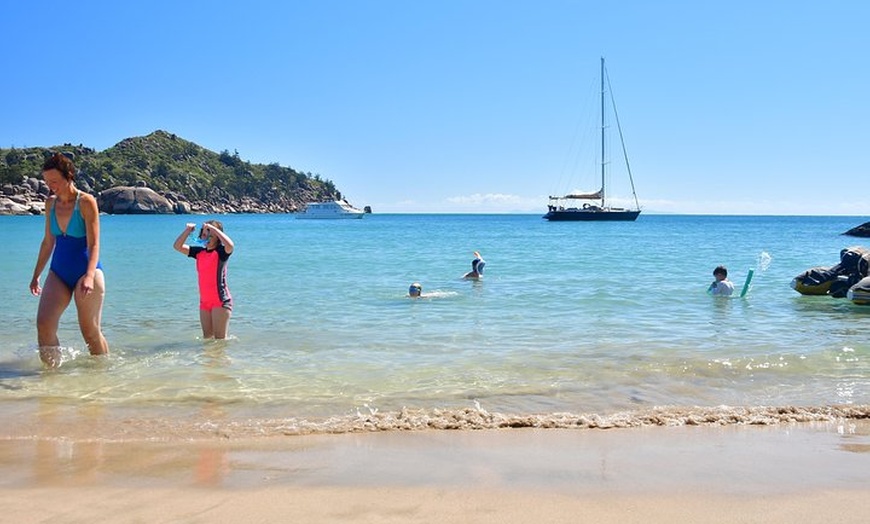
x,y
91,214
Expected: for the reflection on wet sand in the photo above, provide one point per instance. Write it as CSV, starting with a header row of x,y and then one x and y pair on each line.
x,y
60,453
211,466
89,444
61,461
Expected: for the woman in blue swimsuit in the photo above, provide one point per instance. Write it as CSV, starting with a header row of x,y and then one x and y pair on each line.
x,y
72,240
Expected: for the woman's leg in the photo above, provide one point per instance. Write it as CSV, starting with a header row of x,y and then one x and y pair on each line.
x,y
53,300
90,309
220,319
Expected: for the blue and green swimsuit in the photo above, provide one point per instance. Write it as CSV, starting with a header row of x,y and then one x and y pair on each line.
x,y
70,258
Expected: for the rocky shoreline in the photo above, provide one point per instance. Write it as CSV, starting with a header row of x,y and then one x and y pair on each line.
x,y
161,173
28,198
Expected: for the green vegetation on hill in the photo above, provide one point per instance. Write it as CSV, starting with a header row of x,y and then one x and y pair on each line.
x,y
169,164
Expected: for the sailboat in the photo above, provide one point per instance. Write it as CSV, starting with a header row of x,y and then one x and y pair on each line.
x,y
567,208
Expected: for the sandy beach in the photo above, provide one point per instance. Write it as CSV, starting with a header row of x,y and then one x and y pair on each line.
x,y
782,473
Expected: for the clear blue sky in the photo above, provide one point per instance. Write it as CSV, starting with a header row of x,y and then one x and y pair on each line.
x,y
741,107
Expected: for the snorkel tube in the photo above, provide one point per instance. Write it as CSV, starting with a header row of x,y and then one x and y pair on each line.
x,y
746,283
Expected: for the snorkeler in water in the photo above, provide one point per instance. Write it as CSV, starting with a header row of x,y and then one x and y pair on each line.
x,y
477,266
721,286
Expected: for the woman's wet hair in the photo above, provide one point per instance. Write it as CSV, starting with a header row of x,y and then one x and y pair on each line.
x,y
62,163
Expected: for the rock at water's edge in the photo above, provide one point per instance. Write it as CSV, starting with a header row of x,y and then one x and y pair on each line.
x,y
125,200
859,231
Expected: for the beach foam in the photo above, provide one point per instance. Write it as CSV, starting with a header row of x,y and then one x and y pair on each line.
x,y
113,424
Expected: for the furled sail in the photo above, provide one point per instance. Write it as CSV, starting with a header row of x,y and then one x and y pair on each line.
x,y
583,196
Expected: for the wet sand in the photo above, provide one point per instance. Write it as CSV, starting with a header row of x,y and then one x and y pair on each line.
x,y
782,473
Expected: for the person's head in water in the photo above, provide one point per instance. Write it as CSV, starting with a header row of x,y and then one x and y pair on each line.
x,y
415,290
721,285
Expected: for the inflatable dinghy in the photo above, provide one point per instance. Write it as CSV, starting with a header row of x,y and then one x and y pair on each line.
x,y
848,279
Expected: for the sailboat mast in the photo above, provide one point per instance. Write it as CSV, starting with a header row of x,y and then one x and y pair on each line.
x,y
602,131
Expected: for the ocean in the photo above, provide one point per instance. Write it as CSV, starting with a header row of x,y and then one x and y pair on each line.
x,y
573,325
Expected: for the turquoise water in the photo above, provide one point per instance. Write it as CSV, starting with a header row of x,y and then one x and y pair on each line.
x,y
571,319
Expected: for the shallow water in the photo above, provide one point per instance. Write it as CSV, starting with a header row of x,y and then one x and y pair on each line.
x,y
594,320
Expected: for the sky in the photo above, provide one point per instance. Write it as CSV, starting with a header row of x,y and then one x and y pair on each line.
x,y
448,106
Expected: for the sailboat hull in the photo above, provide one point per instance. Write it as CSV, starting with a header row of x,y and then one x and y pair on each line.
x,y
584,215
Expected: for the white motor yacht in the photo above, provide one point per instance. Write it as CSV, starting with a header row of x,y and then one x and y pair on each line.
x,y
333,209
